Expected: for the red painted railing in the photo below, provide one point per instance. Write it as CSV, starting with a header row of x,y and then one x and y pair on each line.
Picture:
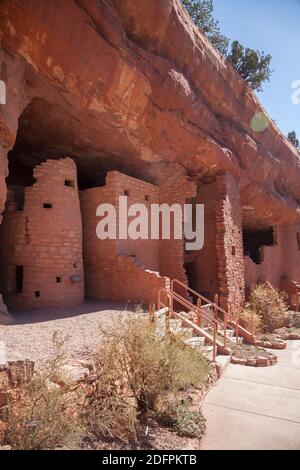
x,y
166,298
218,311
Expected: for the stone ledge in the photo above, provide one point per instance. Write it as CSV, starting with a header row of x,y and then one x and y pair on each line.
x,y
258,361
289,336
271,344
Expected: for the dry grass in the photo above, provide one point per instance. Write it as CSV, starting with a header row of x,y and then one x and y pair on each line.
x,y
269,306
43,417
251,321
135,369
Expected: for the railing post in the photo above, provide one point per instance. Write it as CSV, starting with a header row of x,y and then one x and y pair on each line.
x,y
214,345
199,313
152,312
216,303
169,313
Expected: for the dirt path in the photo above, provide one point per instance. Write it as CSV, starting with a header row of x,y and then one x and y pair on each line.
x,y
31,334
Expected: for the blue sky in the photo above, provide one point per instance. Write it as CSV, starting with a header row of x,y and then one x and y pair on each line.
x,y
274,27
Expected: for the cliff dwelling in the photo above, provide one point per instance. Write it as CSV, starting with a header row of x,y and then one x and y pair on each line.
x,y
75,135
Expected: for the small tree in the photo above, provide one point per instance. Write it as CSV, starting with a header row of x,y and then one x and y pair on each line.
x,y
253,66
201,13
293,139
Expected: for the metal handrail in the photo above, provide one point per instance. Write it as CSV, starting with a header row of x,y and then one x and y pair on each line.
x,y
200,313
227,316
171,297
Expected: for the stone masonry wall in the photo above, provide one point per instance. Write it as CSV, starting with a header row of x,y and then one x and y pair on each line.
x,y
119,269
291,252
206,262
229,243
270,268
174,191
280,263
41,245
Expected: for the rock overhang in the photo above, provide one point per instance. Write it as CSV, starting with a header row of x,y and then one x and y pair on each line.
x,y
134,86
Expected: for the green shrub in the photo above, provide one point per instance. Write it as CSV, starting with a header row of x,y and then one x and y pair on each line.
x,y
270,306
135,368
178,415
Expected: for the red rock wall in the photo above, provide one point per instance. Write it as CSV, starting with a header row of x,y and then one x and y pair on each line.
x,y
47,242
229,243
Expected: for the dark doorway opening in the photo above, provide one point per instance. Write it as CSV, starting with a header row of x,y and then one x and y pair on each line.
x,y
255,240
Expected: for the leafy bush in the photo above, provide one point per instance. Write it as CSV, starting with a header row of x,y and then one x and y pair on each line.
x,y
178,415
135,368
250,320
43,417
270,306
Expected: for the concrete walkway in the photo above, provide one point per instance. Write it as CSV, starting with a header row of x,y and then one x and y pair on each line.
x,y
256,408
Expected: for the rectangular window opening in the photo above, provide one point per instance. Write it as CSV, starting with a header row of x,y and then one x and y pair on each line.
x,y
37,293
70,183
47,205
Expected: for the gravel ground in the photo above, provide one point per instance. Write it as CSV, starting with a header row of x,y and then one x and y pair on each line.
x,y
30,336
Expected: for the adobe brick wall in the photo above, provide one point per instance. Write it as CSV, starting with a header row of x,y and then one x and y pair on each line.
x,y
47,242
280,263
139,192
291,252
125,270
270,268
206,263
174,191
229,243
3,175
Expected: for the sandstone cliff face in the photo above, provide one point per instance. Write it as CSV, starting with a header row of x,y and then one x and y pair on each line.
x,y
132,85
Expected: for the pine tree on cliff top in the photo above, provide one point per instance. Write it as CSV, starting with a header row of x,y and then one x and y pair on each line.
x,y
253,66
293,139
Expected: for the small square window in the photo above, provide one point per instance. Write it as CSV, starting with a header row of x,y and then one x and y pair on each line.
x,y
233,250
37,293
47,205
58,279
147,198
70,183
126,192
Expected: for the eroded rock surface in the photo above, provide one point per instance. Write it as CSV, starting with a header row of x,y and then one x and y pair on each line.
x,y
132,84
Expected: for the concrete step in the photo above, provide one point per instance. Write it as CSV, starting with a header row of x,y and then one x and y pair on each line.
x,y
188,332
222,362
195,341
229,333
175,325
207,351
